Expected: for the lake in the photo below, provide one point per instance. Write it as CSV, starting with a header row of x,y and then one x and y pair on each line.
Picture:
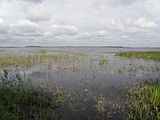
x,y
95,72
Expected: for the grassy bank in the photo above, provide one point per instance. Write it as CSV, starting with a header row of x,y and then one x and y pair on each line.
x,y
145,55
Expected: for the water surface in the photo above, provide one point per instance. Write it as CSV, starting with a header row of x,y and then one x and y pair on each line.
x,y
99,72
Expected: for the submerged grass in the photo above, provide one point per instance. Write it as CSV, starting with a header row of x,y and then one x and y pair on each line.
x,y
145,55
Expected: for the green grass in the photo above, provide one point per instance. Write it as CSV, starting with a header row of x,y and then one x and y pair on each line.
x,y
100,104
42,51
32,60
102,60
80,54
18,102
144,103
145,55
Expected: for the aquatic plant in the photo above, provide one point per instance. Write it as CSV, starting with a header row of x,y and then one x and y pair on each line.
x,y
9,80
144,55
102,60
17,103
41,51
80,54
75,67
144,103
31,60
49,65
100,104
119,70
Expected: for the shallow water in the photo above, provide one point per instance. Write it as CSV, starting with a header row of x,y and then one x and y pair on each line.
x,y
97,73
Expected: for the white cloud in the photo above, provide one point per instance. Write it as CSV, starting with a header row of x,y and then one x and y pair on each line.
x,y
125,2
125,36
117,24
3,27
35,1
102,33
24,26
1,20
37,13
24,23
64,30
133,29
96,34
144,23
84,21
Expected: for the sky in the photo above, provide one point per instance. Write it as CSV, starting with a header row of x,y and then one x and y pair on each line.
x,y
130,23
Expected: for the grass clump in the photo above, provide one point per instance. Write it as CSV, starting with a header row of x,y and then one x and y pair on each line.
x,y
100,106
102,60
75,67
18,102
145,103
145,55
80,54
42,51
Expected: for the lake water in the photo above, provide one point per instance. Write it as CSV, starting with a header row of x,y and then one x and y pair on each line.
x,y
97,73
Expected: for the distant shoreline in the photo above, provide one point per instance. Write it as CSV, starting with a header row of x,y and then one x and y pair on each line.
x,y
75,47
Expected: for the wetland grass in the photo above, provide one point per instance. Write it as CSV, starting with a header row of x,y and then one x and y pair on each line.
x,y
80,54
75,67
144,103
100,104
119,70
19,102
31,60
102,60
42,51
145,55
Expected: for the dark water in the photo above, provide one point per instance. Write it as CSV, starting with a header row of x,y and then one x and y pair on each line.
x,y
99,73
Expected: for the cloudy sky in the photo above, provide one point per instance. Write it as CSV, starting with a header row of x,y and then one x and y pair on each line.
x,y
80,22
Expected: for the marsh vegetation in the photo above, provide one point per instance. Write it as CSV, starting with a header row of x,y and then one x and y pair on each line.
x,y
144,102
144,55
